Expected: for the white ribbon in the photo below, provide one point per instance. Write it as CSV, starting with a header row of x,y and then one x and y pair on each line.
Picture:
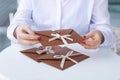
x,y
47,49
62,37
64,57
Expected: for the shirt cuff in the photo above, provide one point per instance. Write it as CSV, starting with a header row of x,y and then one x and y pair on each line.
x,y
105,29
108,37
10,32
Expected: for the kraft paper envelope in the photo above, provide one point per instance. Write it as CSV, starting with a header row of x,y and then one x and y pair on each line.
x,y
31,53
56,62
46,35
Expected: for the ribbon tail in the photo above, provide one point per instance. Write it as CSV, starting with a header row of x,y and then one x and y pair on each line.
x,y
72,60
69,38
62,62
51,39
64,41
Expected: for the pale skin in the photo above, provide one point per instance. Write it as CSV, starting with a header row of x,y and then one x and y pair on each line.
x,y
26,36
92,40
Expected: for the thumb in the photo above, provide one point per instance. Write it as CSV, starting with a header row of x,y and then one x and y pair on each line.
x,y
28,30
89,35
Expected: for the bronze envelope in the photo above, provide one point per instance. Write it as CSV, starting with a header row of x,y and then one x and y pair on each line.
x,y
46,35
50,60
31,53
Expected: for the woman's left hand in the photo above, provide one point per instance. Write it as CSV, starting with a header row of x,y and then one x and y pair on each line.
x,y
92,40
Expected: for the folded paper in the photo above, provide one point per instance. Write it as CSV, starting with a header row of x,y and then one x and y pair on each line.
x,y
58,37
33,53
63,59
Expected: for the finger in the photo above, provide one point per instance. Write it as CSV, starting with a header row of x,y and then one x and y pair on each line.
x,y
29,31
28,42
92,41
29,37
92,38
88,35
89,47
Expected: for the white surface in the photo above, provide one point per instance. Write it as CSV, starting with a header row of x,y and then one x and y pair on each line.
x,y
103,64
2,77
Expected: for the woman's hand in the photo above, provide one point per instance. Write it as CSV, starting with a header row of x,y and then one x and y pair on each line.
x,y
26,36
92,40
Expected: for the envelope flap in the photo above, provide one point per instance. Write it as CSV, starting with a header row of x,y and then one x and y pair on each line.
x,y
48,33
46,57
51,57
64,31
44,33
63,51
30,50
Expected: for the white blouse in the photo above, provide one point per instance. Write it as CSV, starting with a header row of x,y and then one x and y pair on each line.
x,y
80,15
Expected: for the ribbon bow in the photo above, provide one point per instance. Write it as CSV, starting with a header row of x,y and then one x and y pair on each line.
x,y
62,37
64,57
47,49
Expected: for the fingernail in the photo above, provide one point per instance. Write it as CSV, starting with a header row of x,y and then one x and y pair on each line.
x,y
84,36
39,38
83,39
83,42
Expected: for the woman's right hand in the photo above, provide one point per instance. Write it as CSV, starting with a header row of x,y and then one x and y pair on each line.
x,y
26,36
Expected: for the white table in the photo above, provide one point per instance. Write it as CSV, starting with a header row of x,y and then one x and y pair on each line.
x,y
103,64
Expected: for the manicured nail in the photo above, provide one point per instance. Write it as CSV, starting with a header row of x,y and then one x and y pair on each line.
x,y
84,36
39,38
83,39
83,42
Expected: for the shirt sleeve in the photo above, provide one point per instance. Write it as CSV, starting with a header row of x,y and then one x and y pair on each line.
x,y
21,17
100,21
